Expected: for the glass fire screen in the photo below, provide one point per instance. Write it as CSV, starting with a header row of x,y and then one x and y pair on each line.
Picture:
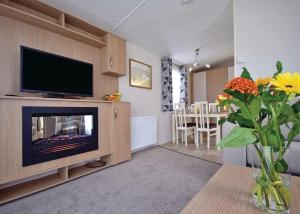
x,y
48,132
54,132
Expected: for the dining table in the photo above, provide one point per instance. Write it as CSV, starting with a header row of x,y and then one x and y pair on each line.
x,y
191,115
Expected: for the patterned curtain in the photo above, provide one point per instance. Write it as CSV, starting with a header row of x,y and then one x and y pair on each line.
x,y
166,84
183,85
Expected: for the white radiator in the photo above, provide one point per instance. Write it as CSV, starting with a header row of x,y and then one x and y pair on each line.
x,y
143,132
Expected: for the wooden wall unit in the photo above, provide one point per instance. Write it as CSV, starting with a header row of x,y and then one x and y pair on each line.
x,y
121,146
114,142
215,80
34,24
114,54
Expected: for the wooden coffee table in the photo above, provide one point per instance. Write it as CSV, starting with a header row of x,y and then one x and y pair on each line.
x,y
229,192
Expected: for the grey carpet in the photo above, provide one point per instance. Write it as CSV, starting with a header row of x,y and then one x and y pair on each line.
x,y
155,181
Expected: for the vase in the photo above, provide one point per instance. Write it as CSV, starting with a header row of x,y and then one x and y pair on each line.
x,y
272,176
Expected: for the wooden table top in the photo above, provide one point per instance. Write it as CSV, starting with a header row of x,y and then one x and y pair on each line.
x,y
229,192
211,114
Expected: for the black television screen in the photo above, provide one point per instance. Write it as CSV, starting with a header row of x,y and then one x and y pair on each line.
x,y
49,73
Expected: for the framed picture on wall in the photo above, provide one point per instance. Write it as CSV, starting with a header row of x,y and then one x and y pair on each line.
x,y
140,74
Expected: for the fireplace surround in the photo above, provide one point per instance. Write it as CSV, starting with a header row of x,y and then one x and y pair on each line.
x,y
50,133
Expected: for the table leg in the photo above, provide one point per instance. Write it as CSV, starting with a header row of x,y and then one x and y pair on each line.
x,y
173,128
218,136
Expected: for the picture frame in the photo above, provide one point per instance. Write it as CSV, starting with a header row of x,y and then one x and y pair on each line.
x,y
140,74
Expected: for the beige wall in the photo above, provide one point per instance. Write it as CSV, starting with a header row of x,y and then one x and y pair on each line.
x,y
146,102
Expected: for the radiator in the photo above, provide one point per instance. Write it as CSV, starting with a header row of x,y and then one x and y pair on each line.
x,y
143,132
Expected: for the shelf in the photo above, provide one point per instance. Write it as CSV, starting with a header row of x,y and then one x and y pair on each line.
x,y
82,170
48,25
27,188
63,174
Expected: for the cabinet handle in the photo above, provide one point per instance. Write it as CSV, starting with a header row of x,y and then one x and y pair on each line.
x,y
115,113
111,61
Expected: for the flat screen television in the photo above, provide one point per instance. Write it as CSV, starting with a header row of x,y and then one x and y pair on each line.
x,y
48,73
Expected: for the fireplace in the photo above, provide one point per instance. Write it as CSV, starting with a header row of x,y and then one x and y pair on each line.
x,y
50,133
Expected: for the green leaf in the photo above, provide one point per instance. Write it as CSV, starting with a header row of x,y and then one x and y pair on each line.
x,y
255,107
279,66
281,166
294,132
238,137
222,121
235,94
296,107
272,140
245,74
244,110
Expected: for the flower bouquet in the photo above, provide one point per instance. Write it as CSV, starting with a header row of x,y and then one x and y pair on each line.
x,y
259,109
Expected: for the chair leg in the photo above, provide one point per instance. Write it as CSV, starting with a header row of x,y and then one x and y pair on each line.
x,y
177,135
197,138
186,134
182,136
208,140
201,138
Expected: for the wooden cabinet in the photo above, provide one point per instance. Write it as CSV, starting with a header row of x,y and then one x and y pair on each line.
x,y
113,56
121,140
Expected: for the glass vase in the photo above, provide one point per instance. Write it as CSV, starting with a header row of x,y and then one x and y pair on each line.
x,y
272,175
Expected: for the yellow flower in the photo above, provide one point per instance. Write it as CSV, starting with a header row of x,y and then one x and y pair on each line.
x,y
287,82
263,81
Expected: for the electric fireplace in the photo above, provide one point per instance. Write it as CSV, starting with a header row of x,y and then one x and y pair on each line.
x,y
54,132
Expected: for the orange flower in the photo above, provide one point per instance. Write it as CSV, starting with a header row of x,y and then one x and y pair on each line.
x,y
224,96
242,85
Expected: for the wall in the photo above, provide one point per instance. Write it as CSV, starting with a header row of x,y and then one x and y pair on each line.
x,y
230,73
14,33
266,31
146,102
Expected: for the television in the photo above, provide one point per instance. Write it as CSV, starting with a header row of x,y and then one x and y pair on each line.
x,y
47,73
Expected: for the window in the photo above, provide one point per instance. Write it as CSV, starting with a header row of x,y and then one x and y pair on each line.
x,y
176,84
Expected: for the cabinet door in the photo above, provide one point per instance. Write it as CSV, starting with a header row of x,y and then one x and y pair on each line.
x,y
114,55
121,140
216,78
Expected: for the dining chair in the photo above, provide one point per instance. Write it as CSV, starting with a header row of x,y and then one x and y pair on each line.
x,y
181,123
202,123
214,108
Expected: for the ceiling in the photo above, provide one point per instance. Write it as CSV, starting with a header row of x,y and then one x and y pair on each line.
x,y
173,28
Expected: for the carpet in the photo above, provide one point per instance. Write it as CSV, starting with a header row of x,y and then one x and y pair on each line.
x,y
155,181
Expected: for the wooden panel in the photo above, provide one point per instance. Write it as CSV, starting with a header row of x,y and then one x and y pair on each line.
x,y
30,187
48,25
121,140
215,82
35,9
71,20
83,32
34,5
11,138
14,33
114,56
229,191
61,20
82,170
